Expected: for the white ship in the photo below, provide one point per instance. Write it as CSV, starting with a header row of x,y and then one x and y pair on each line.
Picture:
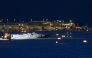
x,y
7,36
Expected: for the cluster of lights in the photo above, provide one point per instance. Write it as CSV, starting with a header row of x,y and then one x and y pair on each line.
x,y
24,31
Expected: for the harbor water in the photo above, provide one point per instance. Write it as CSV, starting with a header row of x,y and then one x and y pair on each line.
x,y
78,46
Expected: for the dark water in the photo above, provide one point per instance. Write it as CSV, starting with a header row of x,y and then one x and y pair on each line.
x,y
46,48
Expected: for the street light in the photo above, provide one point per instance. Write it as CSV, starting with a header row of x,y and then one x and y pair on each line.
x,y
43,20
20,20
7,20
31,20
63,21
70,21
14,20
2,20
57,20
46,19
54,21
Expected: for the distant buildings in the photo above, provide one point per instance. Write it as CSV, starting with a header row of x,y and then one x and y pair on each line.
x,y
40,25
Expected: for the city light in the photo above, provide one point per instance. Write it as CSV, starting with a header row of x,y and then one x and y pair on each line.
x,y
63,36
14,20
87,30
85,41
59,38
57,34
43,24
56,41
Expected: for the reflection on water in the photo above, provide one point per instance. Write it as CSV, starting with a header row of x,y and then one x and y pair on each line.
x,y
85,41
70,47
64,48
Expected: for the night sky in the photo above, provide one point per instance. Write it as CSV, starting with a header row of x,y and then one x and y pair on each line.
x,y
78,10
